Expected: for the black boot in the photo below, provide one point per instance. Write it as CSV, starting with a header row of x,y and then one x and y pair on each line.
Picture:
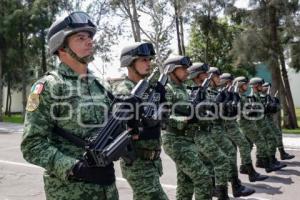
x,y
243,169
284,155
270,167
277,163
238,189
260,162
222,192
253,175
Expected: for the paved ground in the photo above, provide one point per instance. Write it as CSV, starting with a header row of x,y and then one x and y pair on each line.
x,y
20,180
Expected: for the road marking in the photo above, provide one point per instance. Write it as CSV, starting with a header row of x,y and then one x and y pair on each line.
x,y
117,178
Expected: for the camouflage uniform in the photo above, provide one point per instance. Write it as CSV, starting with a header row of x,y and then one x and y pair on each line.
x,y
268,133
217,134
143,174
251,131
235,134
178,143
210,151
60,102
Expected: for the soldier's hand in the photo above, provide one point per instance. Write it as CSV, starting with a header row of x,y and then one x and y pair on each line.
x,y
91,174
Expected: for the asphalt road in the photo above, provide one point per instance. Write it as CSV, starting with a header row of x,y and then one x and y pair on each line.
x,y
20,180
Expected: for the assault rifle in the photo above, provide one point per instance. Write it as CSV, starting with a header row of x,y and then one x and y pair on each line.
x,y
112,141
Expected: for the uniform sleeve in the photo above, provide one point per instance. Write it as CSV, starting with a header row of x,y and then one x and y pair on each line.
x,y
35,145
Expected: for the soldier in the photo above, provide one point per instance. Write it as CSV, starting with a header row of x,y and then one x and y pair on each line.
x,y
217,133
274,106
249,127
263,126
69,98
178,140
232,129
210,153
143,174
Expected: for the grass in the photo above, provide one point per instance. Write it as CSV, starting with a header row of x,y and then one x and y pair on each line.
x,y
294,131
15,118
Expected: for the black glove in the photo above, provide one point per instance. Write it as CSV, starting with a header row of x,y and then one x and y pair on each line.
x,y
97,175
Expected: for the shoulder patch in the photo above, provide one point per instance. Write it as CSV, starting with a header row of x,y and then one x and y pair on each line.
x,y
37,88
33,102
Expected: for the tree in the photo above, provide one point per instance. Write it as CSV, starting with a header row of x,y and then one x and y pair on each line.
x,y
269,23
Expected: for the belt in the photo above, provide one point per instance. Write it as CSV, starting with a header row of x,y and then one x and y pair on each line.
x,y
147,154
185,132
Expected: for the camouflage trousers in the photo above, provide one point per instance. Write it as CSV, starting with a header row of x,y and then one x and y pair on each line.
x,y
143,177
235,134
269,134
57,189
210,151
219,136
192,175
251,131
277,132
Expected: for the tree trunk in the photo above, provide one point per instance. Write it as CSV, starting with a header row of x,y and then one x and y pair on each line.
x,y
289,98
136,21
1,83
177,27
22,62
182,34
44,62
274,57
7,96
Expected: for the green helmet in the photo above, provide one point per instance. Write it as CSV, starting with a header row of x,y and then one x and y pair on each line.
x,y
256,80
196,69
64,27
178,61
214,70
134,51
226,77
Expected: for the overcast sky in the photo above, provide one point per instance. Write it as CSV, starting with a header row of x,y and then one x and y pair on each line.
x,y
113,69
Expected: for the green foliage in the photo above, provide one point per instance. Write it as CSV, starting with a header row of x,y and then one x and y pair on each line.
x,y
13,119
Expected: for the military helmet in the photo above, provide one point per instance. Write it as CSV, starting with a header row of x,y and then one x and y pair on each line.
x,y
267,84
240,79
226,77
256,80
62,28
134,51
196,69
178,61
214,70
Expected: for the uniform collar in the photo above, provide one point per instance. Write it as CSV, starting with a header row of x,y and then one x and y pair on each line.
x,y
67,71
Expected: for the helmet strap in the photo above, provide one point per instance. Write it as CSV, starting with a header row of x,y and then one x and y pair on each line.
x,y
83,60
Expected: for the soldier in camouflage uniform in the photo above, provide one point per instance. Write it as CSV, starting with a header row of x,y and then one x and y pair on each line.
x,y
69,98
263,126
249,127
218,135
233,131
178,140
143,174
211,154
269,117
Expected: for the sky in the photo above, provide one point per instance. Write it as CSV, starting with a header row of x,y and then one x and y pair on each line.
x,y
113,70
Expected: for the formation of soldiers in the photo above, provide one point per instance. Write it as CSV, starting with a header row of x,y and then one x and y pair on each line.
x,y
204,124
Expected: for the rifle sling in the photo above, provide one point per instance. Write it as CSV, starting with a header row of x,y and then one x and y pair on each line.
x,y
77,141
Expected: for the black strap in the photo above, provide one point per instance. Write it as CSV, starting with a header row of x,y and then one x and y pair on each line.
x,y
77,141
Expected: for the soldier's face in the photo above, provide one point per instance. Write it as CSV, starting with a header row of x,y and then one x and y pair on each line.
x,y
202,76
81,43
181,73
216,80
244,87
143,65
264,89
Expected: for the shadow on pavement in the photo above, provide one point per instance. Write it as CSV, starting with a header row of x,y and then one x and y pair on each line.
x,y
288,172
264,188
277,179
291,164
